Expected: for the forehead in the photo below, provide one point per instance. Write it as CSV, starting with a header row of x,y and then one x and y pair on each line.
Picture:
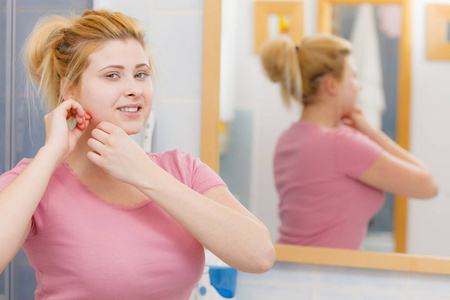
x,y
118,52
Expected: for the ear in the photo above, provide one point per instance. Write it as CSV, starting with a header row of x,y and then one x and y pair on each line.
x,y
331,85
67,89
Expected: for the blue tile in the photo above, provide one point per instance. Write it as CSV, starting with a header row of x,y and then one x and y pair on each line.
x,y
54,4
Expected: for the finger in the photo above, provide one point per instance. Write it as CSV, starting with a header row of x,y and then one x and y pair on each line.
x,y
78,132
80,122
96,145
108,127
94,158
76,107
99,135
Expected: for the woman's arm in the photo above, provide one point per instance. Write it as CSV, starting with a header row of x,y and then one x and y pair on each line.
x,y
397,170
215,219
19,199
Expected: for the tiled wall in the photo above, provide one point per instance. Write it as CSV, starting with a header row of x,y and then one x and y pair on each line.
x,y
298,281
175,34
235,164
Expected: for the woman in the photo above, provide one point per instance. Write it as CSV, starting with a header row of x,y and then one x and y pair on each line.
x,y
332,167
97,216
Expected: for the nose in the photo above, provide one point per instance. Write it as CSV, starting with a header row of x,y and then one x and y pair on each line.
x,y
132,89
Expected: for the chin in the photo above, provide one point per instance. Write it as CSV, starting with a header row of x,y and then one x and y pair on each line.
x,y
132,131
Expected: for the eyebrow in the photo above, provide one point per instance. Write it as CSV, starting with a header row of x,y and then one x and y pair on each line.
x,y
122,67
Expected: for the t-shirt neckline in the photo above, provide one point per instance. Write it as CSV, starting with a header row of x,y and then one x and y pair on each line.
x,y
119,206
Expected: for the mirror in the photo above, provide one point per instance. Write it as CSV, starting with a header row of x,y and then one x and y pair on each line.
x,y
252,116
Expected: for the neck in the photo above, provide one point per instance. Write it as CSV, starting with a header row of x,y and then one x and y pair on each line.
x,y
80,164
324,112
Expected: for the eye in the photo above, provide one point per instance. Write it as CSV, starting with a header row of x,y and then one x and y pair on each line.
x,y
141,75
112,75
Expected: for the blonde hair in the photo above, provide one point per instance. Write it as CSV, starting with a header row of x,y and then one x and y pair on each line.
x,y
297,68
58,48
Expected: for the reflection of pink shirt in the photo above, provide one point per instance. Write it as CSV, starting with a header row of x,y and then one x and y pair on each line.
x,y
82,247
322,202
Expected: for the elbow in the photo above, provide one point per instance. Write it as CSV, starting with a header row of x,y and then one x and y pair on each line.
x,y
431,191
264,260
430,188
268,261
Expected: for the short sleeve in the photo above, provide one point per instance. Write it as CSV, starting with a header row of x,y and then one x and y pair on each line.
x,y
189,170
203,178
355,152
37,220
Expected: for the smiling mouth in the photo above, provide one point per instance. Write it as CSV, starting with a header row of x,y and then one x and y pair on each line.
x,y
129,109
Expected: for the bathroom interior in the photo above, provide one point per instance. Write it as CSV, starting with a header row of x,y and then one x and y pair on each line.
x,y
213,100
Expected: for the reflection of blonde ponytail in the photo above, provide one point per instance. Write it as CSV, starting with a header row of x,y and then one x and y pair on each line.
x,y
58,48
279,59
316,56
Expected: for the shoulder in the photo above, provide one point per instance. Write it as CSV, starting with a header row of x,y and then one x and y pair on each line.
x,y
346,131
354,151
172,158
188,169
347,135
178,163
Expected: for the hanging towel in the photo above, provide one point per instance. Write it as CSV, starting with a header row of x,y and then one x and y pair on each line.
x,y
366,51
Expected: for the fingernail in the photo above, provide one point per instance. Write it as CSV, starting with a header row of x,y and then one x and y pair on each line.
x,y
84,124
88,115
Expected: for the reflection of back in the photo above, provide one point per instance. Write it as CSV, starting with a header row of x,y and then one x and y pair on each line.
x,y
366,52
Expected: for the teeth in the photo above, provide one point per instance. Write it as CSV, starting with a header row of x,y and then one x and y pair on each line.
x,y
129,109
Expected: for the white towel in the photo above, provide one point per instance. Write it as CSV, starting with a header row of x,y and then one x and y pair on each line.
x,y
366,51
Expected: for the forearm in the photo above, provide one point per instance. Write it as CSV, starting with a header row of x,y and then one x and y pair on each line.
x,y
392,147
238,239
19,200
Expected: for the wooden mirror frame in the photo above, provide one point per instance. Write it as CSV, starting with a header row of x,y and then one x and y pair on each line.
x,y
212,20
210,145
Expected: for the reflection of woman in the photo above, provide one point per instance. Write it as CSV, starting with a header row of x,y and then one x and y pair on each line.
x,y
81,208
331,177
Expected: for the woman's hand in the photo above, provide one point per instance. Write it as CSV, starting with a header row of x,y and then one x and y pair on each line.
x,y
115,152
57,134
358,120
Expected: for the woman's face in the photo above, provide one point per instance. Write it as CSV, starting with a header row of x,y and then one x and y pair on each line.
x,y
350,86
116,86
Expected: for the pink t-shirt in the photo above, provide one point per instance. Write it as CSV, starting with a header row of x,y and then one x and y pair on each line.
x,y
322,201
82,247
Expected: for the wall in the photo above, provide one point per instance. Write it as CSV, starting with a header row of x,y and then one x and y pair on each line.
x,y
428,220
175,34
292,281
